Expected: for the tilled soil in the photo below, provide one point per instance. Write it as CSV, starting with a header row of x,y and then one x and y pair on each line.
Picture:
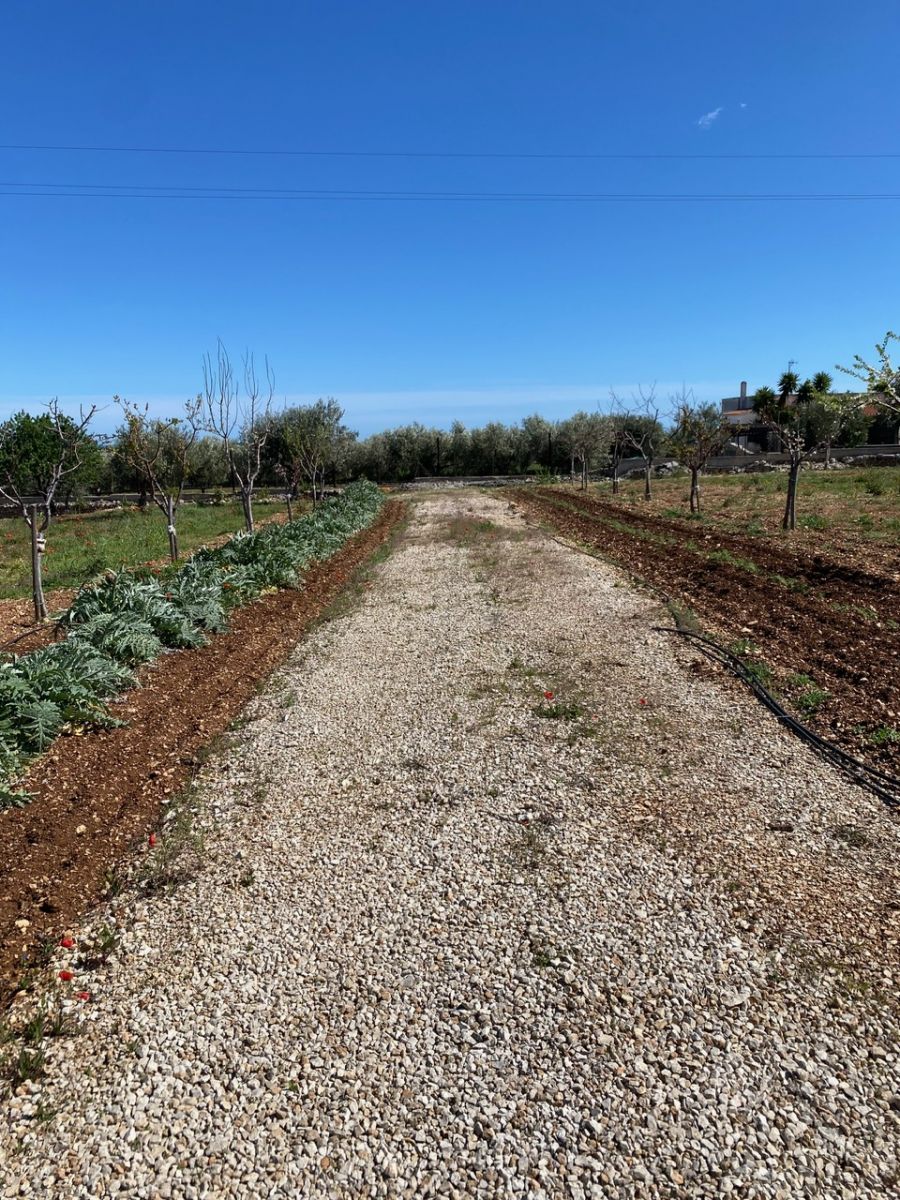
x,y
500,897
93,795
809,616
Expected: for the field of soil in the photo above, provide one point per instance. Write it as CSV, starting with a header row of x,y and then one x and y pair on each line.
x,y
851,515
93,795
821,625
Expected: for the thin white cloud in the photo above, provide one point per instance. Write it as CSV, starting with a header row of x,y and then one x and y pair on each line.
x,y
706,121
743,105
371,411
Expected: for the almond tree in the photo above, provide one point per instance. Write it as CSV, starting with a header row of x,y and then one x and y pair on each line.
x,y
882,380
36,455
699,432
159,452
242,421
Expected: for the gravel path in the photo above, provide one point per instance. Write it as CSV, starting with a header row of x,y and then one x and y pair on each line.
x,y
453,937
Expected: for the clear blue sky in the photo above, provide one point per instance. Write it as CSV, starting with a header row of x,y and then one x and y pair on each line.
x,y
427,309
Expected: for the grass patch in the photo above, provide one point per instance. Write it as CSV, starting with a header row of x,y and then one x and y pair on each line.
x,y
807,696
726,558
80,546
559,711
885,735
813,521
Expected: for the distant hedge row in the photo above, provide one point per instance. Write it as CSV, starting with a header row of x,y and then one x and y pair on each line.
x,y
127,618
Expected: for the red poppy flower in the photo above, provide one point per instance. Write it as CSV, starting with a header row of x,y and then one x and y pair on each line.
x,y
83,995
152,839
67,943
548,695
66,976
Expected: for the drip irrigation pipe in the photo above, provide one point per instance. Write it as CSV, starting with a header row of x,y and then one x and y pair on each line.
x,y
886,787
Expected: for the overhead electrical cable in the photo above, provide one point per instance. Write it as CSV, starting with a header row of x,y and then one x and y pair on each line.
x,y
179,192
614,156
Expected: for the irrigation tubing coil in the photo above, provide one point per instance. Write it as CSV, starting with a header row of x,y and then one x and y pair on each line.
x,y
886,787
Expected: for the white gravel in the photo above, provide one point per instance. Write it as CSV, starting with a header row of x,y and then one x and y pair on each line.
x,y
442,945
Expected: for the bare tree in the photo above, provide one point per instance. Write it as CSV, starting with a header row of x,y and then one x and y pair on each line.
x,y
159,452
242,421
699,432
35,463
640,429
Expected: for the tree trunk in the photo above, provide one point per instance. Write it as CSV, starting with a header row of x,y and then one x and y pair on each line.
x,y
170,528
584,470
615,479
828,456
247,505
37,549
290,507
695,489
790,506
648,490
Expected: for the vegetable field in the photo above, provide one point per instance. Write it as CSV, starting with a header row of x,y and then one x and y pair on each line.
x,y
129,618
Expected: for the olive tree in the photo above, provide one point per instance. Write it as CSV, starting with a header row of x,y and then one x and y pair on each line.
x,y
311,436
37,456
699,432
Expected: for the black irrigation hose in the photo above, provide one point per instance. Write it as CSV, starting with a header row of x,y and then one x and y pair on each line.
x,y
886,787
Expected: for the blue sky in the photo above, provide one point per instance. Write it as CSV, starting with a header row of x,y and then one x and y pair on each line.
x,y
423,310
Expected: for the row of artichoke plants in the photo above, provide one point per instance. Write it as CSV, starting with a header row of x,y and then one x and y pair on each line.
x,y
130,617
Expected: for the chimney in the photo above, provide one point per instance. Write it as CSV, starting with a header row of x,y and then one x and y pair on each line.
x,y
743,389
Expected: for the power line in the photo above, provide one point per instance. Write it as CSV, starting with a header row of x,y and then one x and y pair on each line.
x,y
439,154
173,192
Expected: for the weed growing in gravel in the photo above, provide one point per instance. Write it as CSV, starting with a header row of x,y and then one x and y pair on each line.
x,y
850,835
113,883
530,848
101,947
885,735
25,1066
684,617
179,852
558,711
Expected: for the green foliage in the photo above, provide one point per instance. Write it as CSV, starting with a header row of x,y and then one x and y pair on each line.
x,y
30,447
123,636
124,619
146,599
